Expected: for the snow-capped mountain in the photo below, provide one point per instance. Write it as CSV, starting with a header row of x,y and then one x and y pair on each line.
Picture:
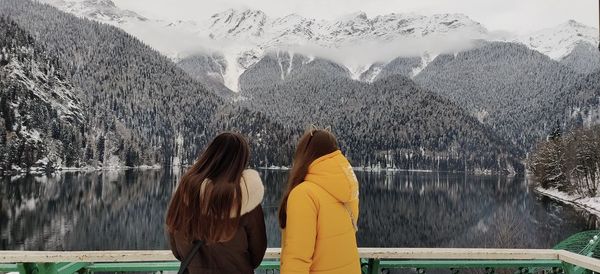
x,y
101,10
559,41
293,30
573,44
243,37
363,44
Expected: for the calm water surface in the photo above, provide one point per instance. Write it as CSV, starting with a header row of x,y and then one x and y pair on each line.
x,y
125,210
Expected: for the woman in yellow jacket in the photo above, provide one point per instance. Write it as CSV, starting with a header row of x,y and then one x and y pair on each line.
x,y
319,210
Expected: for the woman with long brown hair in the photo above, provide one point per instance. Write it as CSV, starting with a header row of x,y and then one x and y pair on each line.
x,y
215,220
319,210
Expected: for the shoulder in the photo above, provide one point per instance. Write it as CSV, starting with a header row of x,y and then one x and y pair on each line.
x,y
253,190
303,192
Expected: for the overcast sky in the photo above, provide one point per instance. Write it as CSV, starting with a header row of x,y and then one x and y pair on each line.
x,y
511,15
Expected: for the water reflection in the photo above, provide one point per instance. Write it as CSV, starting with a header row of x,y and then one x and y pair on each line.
x,y
125,210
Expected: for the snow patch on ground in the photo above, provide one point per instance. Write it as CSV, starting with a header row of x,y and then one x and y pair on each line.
x,y
425,60
232,73
590,204
373,74
112,162
481,115
356,71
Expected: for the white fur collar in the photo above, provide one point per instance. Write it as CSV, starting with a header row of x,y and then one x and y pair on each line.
x,y
252,190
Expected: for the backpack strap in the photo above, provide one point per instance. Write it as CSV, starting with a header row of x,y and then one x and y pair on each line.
x,y
188,259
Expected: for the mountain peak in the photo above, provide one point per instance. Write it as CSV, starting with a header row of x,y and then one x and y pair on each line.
x,y
244,23
234,12
101,3
361,15
560,40
574,24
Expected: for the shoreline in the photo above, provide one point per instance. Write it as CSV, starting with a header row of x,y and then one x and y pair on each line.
x,y
34,172
40,172
589,204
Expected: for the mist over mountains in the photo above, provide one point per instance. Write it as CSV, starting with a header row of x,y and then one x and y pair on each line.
x,y
357,41
400,90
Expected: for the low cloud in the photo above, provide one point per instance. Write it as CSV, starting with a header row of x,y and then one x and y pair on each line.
x,y
373,52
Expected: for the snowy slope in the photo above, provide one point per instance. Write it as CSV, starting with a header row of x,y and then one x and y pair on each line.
x,y
40,108
44,85
559,41
100,10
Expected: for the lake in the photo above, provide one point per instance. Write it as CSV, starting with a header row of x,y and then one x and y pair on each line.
x,y
125,210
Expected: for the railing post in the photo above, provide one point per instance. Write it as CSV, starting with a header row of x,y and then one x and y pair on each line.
x,y
373,266
25,268
573,269
46,268
37,268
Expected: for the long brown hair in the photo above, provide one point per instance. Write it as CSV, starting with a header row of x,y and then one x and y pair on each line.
x,y
208,201
312,145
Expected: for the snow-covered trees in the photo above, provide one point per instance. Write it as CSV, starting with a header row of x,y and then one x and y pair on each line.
x,y
130,95
41,121
389,123
517,91
569,162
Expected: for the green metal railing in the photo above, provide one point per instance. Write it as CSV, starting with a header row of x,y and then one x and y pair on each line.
x,y
575,255
375,261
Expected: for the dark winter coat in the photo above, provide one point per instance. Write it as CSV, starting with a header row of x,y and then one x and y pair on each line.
x,y
245,251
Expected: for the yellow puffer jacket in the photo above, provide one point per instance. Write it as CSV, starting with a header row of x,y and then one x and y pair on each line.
x,y
322,212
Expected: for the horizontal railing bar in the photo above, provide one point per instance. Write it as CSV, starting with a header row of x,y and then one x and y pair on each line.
x,y
469,263
133,267
8,267
579,260
155,266
269,265
163,259
173,266
274,253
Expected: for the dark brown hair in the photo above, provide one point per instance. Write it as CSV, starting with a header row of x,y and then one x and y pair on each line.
x,y
207,203
312,145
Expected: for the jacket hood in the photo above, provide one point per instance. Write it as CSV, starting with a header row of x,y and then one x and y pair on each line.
x,y
334,174
252,190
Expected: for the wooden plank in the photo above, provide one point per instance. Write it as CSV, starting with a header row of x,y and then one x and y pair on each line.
x,y
458,253
85,256
274,253
468,263
579,260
